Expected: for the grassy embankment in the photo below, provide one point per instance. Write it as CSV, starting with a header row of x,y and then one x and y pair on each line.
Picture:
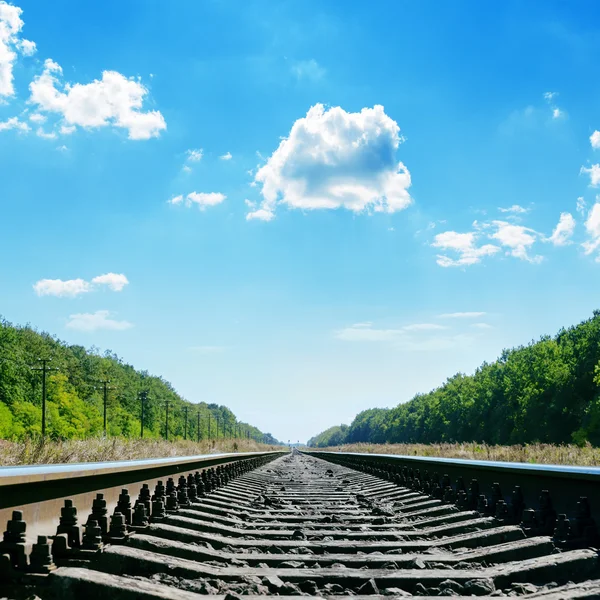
x,y
32,452
586,455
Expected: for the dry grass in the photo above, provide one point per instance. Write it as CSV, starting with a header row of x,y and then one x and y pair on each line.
x,y
32,452
529,453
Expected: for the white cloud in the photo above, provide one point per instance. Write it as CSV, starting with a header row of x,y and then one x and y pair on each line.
x,y
14,123
592,227
67,129
461,315
515,208
262,214
113,100
89,322
557,113
465,245
202,199
226,156
249,203
195,155
481,326
186,169
37,118
594,173
308,69
581,205
62,148
115,281
365,333
27,47
335,159
517,238
74,287
63,289
563,230
424,327
45,134
595,139
10,26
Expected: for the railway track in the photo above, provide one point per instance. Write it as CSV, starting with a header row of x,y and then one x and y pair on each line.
x,y
319,525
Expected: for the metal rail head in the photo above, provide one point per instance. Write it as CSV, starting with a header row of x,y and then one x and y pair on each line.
x,y
543,500
68,541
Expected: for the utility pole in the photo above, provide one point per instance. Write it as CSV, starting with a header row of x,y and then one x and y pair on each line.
x,y
217,420
198,428
167,420
209,427
44,369
104,383
185,423
143,398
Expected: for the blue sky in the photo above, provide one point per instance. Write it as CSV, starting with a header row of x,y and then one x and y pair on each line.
x,y
300,209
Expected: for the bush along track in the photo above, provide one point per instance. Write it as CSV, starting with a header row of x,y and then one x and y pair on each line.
x,y
305,525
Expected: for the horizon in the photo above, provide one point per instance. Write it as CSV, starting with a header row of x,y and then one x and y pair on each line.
x,y
300,212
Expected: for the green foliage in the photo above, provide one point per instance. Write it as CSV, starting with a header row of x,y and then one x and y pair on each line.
x,y
75,402
545,392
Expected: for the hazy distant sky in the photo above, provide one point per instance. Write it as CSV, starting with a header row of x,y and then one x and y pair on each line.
x,y
300,209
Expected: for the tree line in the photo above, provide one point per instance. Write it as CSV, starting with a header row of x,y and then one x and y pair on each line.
x,y
547,391
75,395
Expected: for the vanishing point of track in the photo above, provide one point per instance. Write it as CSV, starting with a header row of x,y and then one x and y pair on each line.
x,y
311,524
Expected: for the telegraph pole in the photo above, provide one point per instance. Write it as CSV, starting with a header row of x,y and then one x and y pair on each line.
x,y
217,420
44,369
185,423
143,398
198,428
209,427
167,420
104,383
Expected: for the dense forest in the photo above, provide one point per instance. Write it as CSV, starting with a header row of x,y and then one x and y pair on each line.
x,y
75,395
548,391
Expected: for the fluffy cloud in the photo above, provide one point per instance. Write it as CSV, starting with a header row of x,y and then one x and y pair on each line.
x,y
595,139
113,101
564,230
594,173
464,244
202,199
10,43
74,287
517,238
592,227
226,156
515,208
461,315
335,159
114,281
481,326
100,319
195,155
581,205
14,123
63,289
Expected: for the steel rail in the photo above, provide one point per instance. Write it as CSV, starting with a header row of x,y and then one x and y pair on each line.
x,y
566,484
39,491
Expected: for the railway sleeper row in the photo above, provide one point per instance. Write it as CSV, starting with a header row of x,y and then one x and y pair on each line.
x,y
299,525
